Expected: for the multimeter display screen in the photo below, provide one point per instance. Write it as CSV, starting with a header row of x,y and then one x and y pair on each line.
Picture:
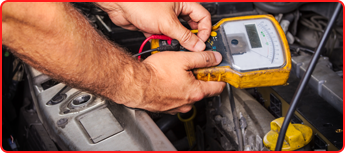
x,y
253,36
252,44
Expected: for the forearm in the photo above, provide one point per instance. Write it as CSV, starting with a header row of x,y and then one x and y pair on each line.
x,y
58,41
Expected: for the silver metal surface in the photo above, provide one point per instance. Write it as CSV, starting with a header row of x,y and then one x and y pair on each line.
x,y
99,129
94,124
327,83
290,38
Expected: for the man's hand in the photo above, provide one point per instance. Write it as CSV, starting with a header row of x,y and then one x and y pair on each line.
x,y
173,87
162,18
57,40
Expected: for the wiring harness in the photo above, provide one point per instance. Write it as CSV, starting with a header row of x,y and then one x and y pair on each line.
x,y
173,45
162,37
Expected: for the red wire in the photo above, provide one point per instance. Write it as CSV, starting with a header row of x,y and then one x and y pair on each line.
x,y
153,37
143,44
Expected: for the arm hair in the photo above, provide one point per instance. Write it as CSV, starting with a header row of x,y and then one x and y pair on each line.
x,y
57,40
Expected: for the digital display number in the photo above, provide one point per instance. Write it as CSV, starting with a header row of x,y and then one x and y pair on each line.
x,y
253,36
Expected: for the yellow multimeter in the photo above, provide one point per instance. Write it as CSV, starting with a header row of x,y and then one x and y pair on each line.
x,y
254,49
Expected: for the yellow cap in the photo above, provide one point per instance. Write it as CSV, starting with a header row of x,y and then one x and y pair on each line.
x,y
296,137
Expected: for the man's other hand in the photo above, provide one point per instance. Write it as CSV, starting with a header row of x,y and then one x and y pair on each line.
x,y
162,18
173,87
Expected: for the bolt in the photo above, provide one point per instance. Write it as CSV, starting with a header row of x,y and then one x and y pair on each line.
x,y
62,122
81,99
57,99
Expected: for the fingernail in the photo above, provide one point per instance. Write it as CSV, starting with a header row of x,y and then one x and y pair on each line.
x,y
218,57
200,46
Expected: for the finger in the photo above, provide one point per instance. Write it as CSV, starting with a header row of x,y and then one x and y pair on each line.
x,y
122,22
184,109
211,88
174,29
202,59
199,15
129,27
193,25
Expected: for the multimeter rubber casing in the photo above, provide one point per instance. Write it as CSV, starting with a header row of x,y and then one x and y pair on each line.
x,y
247,61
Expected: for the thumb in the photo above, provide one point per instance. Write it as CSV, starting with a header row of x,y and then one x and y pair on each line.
x,y
203,59
186,38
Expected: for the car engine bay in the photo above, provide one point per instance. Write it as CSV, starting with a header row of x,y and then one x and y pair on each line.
x,y
39,113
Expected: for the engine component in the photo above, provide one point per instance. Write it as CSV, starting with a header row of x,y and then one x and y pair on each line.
x,y
189,126
312,111
83,121
298,136
240,136
306,78
167,122
35,135
325,9
325,82
220,132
